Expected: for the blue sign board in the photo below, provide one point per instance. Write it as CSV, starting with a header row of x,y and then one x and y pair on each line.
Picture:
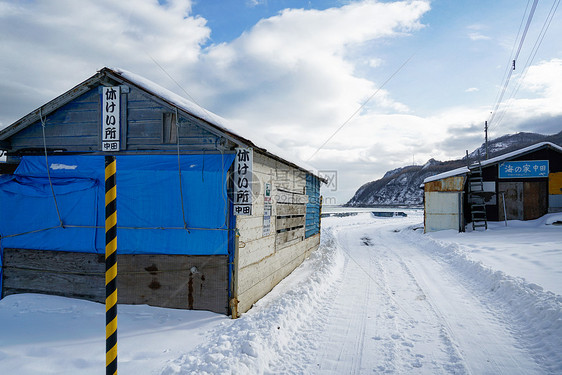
x,y
524,169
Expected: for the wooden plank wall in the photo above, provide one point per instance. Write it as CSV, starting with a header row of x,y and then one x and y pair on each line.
x,y
76,127
193,282
176,281
263,260
76,275
73,127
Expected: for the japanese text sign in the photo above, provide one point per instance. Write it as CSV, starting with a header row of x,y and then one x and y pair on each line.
x,y
267,210
243,181
110,118
524,169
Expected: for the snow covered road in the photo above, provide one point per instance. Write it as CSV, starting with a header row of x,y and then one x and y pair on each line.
x,y
399,310
378,297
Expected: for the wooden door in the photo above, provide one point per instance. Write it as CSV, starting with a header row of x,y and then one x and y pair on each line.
x,y
534,199
513,195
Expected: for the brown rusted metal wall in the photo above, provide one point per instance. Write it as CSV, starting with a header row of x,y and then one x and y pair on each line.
x,y
454,183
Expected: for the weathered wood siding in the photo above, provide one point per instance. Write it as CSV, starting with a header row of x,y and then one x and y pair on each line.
x,y
179,281
265,260
73,127
145,125
176,281
76,275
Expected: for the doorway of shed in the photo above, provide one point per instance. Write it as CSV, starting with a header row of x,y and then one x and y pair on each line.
x,y
524,200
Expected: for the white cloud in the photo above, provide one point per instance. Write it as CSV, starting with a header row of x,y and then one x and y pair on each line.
x,y
472,89
478,36
546,78
254,3
476,32
375,62
290,78
290,71
538,99
48,47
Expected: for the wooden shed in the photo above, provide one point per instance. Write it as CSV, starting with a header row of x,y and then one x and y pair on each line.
x,y
206,217
521,185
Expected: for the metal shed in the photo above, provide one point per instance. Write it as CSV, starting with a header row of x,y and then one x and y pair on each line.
x,y
207,219
521,185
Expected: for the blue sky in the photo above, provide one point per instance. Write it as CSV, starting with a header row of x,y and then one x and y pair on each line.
x,y
229,19
292,72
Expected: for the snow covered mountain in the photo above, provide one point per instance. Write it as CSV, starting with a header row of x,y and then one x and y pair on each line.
x,y
401,186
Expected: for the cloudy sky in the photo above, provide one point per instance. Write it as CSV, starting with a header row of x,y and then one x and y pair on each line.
x,y
295,71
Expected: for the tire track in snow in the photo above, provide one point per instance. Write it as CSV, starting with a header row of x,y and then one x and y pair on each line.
x,y
531,315
481,333
357,328
419,321
394,341
457,361
342,341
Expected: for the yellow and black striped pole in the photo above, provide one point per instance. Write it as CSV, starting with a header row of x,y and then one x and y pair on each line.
x,y
110,267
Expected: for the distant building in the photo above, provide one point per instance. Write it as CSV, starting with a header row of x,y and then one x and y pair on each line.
x,y
207,218
521,185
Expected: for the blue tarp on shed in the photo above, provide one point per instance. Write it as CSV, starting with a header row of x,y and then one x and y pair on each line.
x,y
148,197
312,222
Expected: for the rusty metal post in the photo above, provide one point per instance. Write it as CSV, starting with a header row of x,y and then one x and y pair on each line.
x,y
234,300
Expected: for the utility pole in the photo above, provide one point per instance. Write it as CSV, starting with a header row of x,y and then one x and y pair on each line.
x,y
486,137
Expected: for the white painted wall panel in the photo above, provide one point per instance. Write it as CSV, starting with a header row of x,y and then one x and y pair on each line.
x,y
262,263
442,211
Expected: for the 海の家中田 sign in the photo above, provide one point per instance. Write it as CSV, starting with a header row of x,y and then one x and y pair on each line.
x,y
110,118
523,169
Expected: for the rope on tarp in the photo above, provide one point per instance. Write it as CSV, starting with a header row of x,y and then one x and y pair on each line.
x,y
102,227
43,120
185,226
225,194
179,171
28,232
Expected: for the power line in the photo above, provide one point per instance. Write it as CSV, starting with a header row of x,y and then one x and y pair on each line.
x,y
504,88
508,67
532,55
531,13
360,107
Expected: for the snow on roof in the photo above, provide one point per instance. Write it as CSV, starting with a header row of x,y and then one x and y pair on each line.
x,y
497,159
213,119
525,150
451,173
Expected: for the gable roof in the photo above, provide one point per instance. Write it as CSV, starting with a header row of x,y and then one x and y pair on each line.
x,y
215,123
495,160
